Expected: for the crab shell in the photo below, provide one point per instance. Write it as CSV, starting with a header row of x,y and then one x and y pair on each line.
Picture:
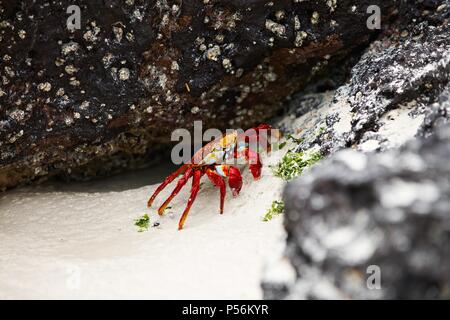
x,y
218,151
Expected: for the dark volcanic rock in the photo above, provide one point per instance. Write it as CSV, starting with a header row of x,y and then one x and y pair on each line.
x,y
390,210
405,70
139,69
396,90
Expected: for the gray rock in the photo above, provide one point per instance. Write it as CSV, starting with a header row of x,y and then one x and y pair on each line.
x,y
437,115
395,91
356,210
358,213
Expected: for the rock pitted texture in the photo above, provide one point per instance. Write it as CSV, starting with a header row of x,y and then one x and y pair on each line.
x,y
391,210
392,90
395,74
437,115
356,210
136,70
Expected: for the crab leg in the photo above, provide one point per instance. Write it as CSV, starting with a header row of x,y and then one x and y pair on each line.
x,y
255,162
253,159
255,138
219,182
180,184
166,181
195,187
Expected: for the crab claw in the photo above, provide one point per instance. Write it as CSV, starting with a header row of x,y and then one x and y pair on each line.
x,y
255,162
234,180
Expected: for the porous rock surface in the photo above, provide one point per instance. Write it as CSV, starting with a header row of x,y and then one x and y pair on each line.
x,y
391,93
361,211
356,211
88,100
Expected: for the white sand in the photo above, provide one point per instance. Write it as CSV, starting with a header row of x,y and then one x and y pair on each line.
x,y
79,241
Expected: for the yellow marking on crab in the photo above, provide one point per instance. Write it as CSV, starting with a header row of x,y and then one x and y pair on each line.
x,y
228,139
213,157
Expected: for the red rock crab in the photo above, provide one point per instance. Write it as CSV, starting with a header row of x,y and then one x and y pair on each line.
x,y
216,160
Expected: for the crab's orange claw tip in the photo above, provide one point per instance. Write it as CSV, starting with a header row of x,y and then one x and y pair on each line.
x,y
161,210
